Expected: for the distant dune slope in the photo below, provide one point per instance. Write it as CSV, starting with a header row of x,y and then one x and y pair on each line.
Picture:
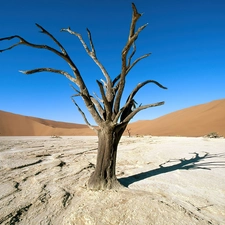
x,y
193,121
17,125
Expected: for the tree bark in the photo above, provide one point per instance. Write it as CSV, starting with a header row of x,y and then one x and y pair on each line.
x,y
104,176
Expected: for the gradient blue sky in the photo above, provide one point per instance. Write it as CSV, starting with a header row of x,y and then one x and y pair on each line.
x,y
186,39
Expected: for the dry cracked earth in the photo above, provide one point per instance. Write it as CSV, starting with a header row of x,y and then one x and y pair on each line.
x,y
168,180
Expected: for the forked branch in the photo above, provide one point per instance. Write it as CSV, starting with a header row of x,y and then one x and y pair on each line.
x,y
108,109
22,41
128,70
63,55
78,80
133,35
53,38
135,111
98,106
130,98
140,85
92,54
95,101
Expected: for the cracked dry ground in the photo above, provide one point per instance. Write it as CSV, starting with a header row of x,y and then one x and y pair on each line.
x,y
43,182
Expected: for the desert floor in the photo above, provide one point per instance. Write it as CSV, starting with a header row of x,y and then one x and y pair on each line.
x,y
170,180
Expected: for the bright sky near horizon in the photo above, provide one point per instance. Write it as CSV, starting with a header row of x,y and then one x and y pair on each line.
x,y
186,39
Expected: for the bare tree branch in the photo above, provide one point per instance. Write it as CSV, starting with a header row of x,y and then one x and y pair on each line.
x,y
129,68
91,42
65,57
99,99
131,39
95,101
53,38
84,116
135,17
24,42
132,94
98,106
131,55
92,54
133,113
79,37
105,101
75,89
126,49
140,85
136,61
38,70
78,80
11,47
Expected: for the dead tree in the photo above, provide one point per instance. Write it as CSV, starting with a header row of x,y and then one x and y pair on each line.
x,y
129,133
111,118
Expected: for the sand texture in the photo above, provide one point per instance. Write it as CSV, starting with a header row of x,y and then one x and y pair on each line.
x,y
170,180
195,121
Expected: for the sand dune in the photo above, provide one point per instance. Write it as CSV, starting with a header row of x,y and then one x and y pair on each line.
x,y
18,125
190,122
193,121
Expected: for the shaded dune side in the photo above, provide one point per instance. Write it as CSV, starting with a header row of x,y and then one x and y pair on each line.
x,y
18,125
193,121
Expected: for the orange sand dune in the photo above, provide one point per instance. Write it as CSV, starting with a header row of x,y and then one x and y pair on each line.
x,y
18,125
194,121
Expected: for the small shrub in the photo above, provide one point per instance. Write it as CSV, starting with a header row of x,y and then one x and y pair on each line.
x,y
55,136
213,135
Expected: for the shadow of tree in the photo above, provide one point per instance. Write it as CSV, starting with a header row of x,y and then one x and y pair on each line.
x,y
183,164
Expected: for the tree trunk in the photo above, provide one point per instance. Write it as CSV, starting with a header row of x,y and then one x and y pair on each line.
x,y
104,176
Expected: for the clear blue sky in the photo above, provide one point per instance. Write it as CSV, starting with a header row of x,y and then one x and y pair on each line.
x,y
186,39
